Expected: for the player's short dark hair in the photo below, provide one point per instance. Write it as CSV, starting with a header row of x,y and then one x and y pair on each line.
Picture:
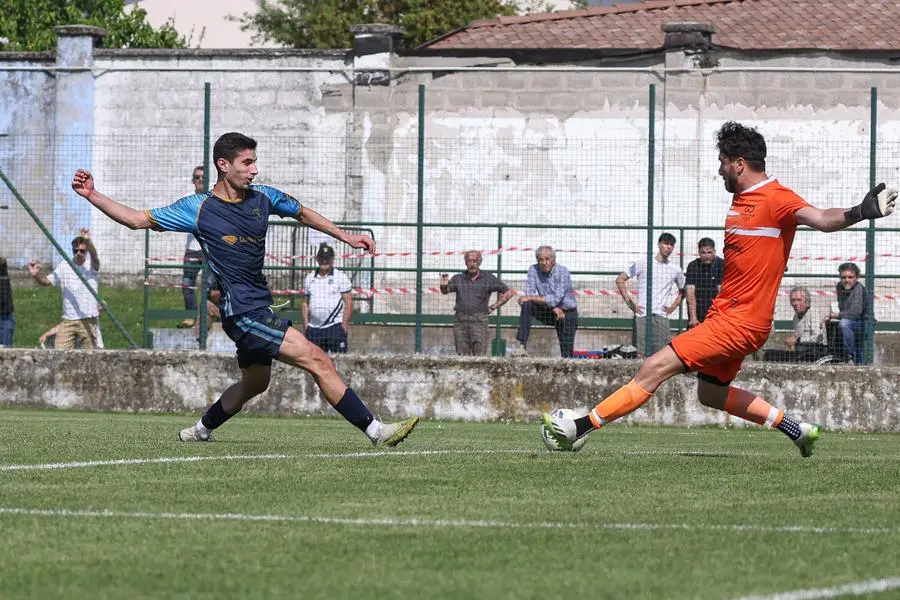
x,y
735,141
229,145
706,243
667,238
78,241
325,252
849,266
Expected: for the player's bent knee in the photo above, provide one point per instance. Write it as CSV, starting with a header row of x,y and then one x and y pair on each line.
x,y
256,380
255,388
300,352
658,368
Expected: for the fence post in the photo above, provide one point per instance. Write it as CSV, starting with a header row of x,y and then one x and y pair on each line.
x,y
204,268
651,255
420,216
498,344
870,232
148,343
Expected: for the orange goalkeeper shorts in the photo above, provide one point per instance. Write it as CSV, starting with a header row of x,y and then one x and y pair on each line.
x,y
717,346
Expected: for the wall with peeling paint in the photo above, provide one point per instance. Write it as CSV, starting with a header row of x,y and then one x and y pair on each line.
x,y
475,389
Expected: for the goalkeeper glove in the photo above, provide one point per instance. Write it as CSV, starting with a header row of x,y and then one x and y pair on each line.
x,y
879,202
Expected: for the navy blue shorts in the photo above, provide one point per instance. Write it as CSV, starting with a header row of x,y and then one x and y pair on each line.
x,y
258,335
329,339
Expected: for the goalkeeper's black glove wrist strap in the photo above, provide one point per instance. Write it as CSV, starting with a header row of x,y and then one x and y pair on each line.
x,y
854,215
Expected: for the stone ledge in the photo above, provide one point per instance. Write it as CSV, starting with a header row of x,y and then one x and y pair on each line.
x,y
474,389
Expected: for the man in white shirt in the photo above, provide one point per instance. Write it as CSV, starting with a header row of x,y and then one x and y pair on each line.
x,y
668,286
329,304
80,310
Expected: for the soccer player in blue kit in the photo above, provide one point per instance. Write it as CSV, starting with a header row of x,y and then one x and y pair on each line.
x,y
230,222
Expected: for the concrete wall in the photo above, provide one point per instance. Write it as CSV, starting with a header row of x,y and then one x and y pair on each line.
x,y
513,147
475,389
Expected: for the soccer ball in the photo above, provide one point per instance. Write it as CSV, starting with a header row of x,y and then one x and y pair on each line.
x,y
565,413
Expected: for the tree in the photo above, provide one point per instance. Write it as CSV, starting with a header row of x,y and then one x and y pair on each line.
x,y
28,25
325,23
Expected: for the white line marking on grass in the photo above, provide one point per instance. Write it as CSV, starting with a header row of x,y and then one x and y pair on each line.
x,y
437,523
851,589
689,453
187,459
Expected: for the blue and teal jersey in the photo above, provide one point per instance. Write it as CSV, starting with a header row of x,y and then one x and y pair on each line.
x,y
233,238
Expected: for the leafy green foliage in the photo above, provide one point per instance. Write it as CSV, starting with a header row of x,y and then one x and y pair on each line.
x,y
28,25
325,23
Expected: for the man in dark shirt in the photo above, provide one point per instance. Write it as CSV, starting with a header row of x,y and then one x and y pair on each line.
x,y
702,282
7,315
473,288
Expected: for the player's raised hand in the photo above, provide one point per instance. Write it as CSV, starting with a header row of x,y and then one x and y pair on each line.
x,y
83,183
878,202
358,240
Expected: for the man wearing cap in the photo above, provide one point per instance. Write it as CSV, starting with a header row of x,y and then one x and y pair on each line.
x,y
329,304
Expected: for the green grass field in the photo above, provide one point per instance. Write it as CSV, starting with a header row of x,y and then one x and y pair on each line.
x,y
305,508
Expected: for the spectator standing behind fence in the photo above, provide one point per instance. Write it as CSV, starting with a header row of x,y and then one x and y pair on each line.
x,y
853,311
807,340
473,288
550,299
702,281
7,314
80,310
329,304
48,338
193,259
668,281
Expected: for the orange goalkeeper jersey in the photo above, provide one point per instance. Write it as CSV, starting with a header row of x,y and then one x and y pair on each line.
x,y
759,231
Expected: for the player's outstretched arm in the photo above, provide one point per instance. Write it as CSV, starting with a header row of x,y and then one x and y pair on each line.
x,y
83,184
879,202
312,219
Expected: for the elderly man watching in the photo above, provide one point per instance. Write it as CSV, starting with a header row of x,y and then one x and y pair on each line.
x,y
473,288
550,299
807,340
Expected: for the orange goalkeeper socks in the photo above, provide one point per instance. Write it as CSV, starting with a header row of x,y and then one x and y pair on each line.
x,y
751,407
623,401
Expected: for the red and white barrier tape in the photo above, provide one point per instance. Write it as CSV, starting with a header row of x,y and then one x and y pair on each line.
x,y
286,259
890,296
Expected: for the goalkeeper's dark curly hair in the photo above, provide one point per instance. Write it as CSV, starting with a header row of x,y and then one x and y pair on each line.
x,y
738,141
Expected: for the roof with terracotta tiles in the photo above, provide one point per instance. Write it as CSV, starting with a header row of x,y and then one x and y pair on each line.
x,y
744,24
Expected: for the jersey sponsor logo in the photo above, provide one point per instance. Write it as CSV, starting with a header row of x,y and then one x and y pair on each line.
x,y
231,240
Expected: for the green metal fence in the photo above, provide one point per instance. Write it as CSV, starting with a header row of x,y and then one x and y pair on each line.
x,y
436,187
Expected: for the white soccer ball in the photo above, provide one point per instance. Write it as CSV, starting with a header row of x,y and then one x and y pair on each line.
x,y
550,442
